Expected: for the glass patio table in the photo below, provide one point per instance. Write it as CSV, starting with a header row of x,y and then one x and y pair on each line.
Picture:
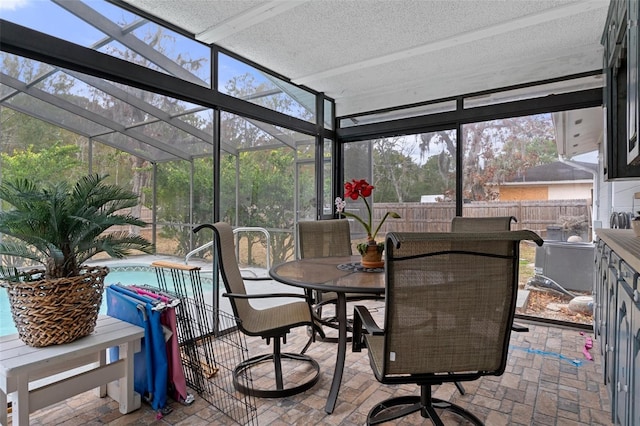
x,y
340,275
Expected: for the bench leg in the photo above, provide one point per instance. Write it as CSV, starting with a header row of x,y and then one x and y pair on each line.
x,y
101,390
20,403
127,394
3,401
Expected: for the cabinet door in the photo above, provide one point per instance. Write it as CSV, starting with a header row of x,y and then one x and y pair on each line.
x,y
623,354
600,317
609,359
635,362
633,151
596,289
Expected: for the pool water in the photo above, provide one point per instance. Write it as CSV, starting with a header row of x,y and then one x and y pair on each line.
x,y
125,275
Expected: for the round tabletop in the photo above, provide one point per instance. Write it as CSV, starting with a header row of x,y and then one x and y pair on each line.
x,y
338,274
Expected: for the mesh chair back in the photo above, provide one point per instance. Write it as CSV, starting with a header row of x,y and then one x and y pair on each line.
x,y
324,238
230,270
450,301
481,224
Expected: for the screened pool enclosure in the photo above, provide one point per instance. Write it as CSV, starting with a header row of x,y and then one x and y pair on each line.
x,y
202,135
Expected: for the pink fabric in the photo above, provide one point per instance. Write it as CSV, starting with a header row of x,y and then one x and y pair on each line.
x,y
176,373
168,319
588,344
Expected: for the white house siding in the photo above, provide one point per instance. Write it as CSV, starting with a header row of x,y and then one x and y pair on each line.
x,y
615,196
622,195
570,191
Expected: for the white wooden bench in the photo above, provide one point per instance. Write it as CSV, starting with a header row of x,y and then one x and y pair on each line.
x,y
35,378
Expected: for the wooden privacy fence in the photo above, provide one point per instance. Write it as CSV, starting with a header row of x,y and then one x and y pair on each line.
x,y
436,217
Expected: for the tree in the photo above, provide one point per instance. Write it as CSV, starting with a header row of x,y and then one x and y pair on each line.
x,y
173,181
31,147
53,164
266,195
263,170
493,150
396,173
517,156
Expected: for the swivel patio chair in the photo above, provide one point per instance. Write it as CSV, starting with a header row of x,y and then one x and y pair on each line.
x,y
482,224
272,323
449,307
327,238
485,224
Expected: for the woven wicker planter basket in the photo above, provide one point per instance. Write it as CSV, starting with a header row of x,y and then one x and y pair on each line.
x,y
56,311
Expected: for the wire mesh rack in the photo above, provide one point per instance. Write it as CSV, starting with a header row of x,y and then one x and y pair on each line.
x,y
211,345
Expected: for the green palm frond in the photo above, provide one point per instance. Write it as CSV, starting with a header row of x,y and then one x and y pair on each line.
x,y
62,226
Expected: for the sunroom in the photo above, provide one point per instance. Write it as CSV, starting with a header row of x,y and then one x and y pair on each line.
x,y
256,113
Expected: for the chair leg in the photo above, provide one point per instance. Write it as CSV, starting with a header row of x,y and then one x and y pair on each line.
x,y
243,382
379,415
277,361
315,333
395,408
429,410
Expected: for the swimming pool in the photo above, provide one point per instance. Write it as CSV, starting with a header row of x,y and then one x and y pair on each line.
x,y
132,274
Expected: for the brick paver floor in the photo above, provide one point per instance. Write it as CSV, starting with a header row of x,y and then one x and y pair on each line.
x,y
548,381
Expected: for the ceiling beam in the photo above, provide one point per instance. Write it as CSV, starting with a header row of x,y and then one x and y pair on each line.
x,y
505,27
28,43
129,40
91,116
242,21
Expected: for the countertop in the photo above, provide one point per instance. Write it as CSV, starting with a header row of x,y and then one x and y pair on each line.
x,y
624,242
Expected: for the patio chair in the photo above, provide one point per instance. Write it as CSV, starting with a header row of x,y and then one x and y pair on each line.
x,y
326,238
482,224
450,303
485,224
273,323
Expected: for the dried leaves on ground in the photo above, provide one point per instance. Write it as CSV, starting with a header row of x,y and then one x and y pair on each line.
x,y
546,304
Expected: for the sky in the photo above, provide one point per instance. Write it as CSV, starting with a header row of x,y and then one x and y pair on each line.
x,y
12,4
47,17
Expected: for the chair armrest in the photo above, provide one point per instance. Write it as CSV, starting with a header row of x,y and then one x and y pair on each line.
x,y
263,295
363,323
257,278
519,328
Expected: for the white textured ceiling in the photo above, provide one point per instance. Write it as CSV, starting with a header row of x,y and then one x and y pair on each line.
x,y
372,54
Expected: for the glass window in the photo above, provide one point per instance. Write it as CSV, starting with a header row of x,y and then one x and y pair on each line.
x,y
183,201
379,117
267,179
328,114
413,175
153,126
531,92
104,27
235,78
511,167
327,178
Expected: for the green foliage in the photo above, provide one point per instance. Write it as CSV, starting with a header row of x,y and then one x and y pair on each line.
x,y
364,247
173,181
62,226
266,195
51,164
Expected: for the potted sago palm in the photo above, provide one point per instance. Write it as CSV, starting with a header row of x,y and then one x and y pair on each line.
x,y
59,227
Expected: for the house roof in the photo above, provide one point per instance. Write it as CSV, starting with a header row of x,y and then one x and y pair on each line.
x,y
555,172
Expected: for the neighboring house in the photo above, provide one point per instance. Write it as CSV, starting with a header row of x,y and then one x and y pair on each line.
x,y
554,181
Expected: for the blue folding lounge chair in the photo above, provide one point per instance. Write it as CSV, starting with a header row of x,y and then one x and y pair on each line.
x,y
150,364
